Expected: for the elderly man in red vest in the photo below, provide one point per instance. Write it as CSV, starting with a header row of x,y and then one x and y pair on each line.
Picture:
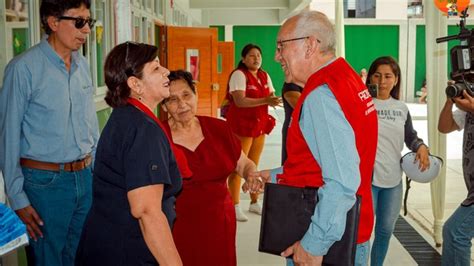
x,y
332,136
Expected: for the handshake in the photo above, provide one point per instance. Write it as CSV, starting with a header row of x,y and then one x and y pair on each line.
x,y
255,181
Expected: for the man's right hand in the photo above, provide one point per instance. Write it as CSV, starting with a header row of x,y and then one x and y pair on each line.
x,y
266,176
465,103
30,217
253,183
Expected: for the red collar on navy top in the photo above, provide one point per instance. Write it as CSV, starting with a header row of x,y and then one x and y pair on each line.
x,y
178,154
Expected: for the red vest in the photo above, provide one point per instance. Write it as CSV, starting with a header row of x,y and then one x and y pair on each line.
x,y
302,170
251,121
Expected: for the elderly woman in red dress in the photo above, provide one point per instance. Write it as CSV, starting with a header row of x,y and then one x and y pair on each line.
x,y
205,227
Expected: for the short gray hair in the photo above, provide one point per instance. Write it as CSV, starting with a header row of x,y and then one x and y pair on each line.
x,y
317,24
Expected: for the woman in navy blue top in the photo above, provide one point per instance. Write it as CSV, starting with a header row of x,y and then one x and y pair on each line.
x,y
136,175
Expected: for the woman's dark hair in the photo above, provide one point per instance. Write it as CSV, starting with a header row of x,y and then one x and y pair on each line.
x,y
125,60
387,60
245,51
184,76
57,8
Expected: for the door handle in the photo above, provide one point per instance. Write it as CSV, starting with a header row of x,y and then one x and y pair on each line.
x,y
215,86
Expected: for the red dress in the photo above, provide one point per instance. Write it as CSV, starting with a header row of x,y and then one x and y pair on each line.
x,y
205,226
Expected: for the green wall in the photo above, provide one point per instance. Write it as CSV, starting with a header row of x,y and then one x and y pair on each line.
x,y
220,33
365,43
100,66
265,37
20,40
420,57
102,117
359,51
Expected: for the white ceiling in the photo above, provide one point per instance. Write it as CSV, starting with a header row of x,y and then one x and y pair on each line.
x,y
246,12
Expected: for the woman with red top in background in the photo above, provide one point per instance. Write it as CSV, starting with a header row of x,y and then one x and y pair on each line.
x,y
250,92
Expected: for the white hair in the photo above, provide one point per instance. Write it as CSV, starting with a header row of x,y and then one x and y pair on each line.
x,y
317,24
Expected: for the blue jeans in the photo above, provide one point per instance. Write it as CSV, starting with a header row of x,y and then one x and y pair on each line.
x,y
387,204
458,232
362,254
62,200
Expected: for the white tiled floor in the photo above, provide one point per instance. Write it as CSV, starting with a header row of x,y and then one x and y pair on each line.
x,y
419,202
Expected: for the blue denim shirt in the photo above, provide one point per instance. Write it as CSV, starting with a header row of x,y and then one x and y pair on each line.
x,y
47,113
332,142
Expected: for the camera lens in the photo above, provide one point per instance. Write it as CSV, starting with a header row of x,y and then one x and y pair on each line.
x,y
455,90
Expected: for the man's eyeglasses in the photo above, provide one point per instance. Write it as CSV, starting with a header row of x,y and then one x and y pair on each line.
x,y
79,22
281,42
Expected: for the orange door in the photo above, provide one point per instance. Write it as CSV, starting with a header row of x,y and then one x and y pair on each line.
x,y
225,51
160,42
195,50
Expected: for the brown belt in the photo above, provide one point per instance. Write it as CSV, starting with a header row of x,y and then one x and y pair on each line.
x,y
68,167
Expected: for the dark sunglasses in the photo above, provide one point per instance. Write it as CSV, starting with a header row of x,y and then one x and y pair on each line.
x,y
79,22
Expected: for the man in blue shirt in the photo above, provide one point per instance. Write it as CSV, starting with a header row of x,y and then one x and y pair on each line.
x,y
305,49
49,132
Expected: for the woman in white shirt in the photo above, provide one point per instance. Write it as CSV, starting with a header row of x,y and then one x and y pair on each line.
x,y
394,128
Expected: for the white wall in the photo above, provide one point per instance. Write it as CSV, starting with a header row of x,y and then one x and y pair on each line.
x,y
327,7
385,9
391,9
194,15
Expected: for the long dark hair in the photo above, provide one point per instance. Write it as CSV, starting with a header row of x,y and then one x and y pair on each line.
x,y
387,60
125,60
57,8
245,51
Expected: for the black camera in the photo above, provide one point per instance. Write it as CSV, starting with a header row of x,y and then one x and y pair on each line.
x,y
462,61
456,89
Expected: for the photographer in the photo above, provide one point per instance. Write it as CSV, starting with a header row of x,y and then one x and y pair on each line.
x,y
458,230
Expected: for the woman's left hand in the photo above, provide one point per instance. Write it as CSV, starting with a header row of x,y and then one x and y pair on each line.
x,y
253,183
422,156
